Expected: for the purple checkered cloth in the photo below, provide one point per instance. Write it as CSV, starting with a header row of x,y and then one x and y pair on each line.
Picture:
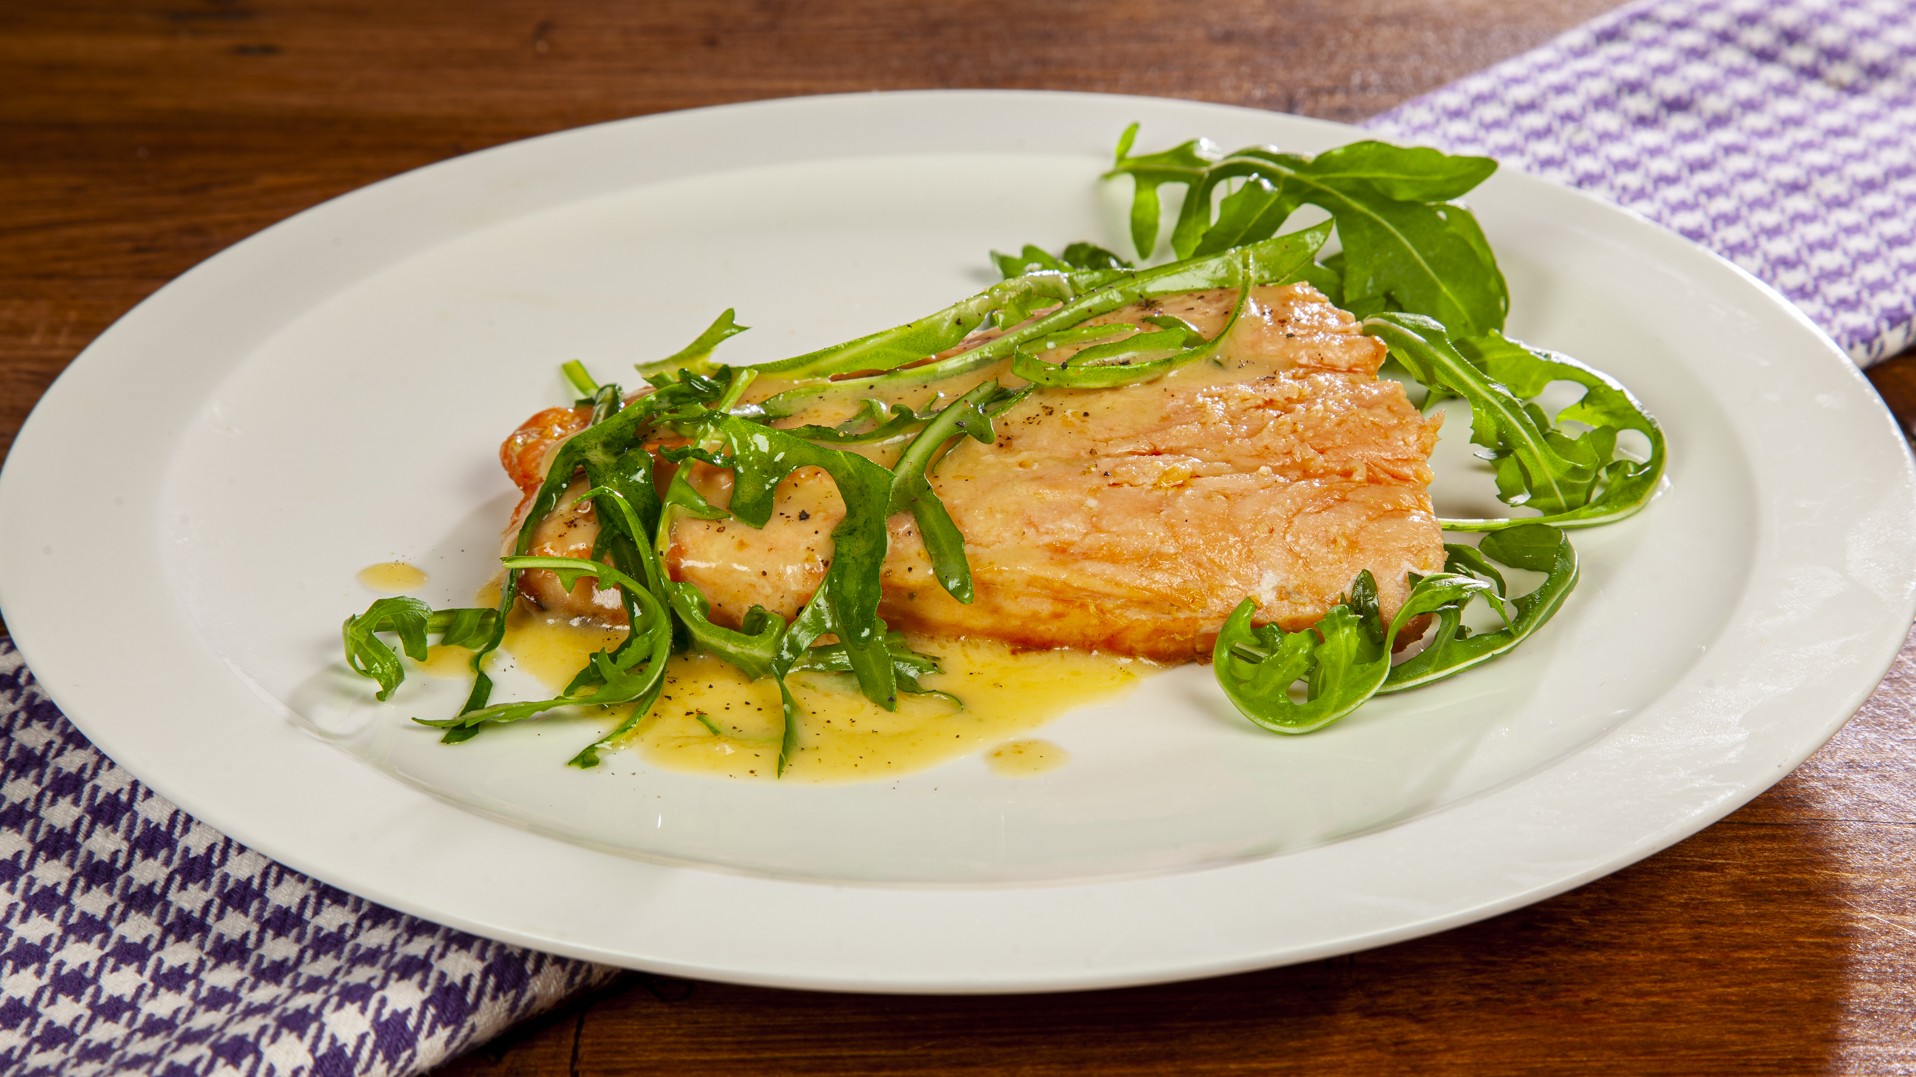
x,y
1779,133
135,940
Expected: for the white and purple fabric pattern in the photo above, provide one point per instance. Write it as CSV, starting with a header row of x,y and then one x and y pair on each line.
x,y
136,940
1780,134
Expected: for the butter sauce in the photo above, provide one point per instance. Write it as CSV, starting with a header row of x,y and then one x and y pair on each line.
x,y
1024,758
712,719
392,577
845,737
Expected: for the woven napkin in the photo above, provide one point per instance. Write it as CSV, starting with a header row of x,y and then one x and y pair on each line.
x,y
1779,133
136,940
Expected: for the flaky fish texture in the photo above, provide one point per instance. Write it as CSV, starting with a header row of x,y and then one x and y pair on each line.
x,y
1128,520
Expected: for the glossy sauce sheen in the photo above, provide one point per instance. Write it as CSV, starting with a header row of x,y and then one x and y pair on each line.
x,y
843,737
392,577
1127,520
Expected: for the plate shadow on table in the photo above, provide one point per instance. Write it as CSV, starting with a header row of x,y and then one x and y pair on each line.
x,y
1586,981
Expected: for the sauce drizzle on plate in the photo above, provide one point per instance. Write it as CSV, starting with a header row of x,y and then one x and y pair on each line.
x,y
712,719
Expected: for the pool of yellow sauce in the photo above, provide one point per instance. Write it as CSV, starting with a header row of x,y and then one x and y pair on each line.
x,y
444,661
392,577
712,719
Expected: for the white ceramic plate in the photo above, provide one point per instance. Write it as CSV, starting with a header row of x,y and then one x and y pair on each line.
x,y
182,518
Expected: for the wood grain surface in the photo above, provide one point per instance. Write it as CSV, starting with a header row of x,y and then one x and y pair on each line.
x,y
139,138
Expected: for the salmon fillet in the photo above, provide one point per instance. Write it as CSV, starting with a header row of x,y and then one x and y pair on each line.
x,y
1127,520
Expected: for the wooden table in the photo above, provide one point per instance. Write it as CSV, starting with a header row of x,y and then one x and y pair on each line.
x,y
138,138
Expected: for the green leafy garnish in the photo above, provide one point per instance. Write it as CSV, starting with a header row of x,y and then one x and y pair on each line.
x,y
696,357
575,373
1406,246
1413,265
1451,647
895,357
1075,256
968,416
1142,356
907,665
1295,682
1341,661
1575,479
875,423
1416,267
412,621
632,672
845,604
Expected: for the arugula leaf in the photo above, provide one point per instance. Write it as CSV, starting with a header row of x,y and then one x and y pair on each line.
x,y
1405,245
605,402
1273,260
885,423
627,482
1452,648
600,445
1343,659
632,526
968,416
1499,421
1623,485
1574,480
575,373
632,672
1403,173
1141,357
845,604
1074,256
412,621
907,664
1184,164
933,333
696,357
753,647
